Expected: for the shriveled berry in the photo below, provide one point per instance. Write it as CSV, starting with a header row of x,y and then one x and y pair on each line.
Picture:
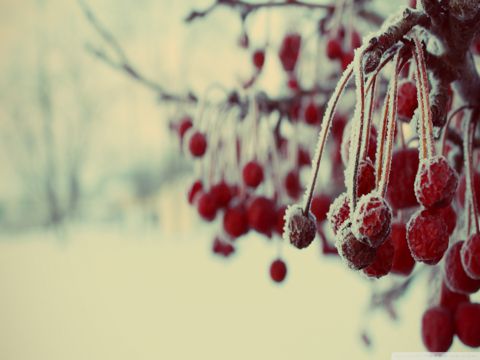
x,y
292,184
339,212
437,329
222,193
334,49
403,262
320,205
300,228
262,215
312,114
278,270
450,299
223,248
467,324
235,221
366,177
427,237
207,206
252,174
407,100
194,190
371,220
382,264
357,255
258,59
198,144
435,183
289,51
400,191
470,253
455,276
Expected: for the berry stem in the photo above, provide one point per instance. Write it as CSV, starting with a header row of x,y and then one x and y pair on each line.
x,y
366,133
381,143
468,134
323,134
456,112
420,122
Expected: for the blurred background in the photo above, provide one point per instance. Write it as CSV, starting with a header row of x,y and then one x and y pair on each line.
x,y
100,255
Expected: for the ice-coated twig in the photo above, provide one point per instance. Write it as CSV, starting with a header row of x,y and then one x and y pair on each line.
x,y
381,143
470,191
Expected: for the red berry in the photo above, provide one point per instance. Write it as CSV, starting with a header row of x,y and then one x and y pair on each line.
x,y
467,324
448,215
366,177
312,114
319,207
258,59
207,206
292,184
280,220
354,253
437,329
252,174
403,262
334,49
303,157
289,51
347,58
195,189
400,191
470,253
427,237
222,194
185,124
382,264
435,183
371,220
450,300
455,276
223,248
339,212
262,216
197,144
278,270
407,100
356,39
235,221
300,229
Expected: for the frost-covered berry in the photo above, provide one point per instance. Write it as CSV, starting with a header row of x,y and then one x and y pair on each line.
x,y
258,59
312,114
427,237
197,144
450,299
382,264
435,183
278,270
407,100
252,174
235,221
292,184
400,191
207,206
300,228
262,215
455,276
448,215
371,220
437,329
357,255
319,207
366,177
339,212
403,262
467,324
470,253
194,190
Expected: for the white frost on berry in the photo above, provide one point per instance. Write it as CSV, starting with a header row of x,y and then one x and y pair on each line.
x,y
290,212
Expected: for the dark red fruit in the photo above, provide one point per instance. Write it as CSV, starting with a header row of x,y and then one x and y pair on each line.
x,y
403,262
197,144
195,190
339,212
448,215
300,229
467,324
262,216
292,184
400,191
427,237
303,157
470,253
450,300
312,114
347,58
278,270
223,248
382,264
207,206
289,51
356,39
355,254
258,59
280,224
407,100
437,329
222,194
366,177
455,276
252,174
235,221
435,183
371,220
185,124
320,205
334,49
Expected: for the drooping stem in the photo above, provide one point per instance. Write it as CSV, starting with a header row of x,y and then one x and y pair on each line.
x,y
421,104
324,130
456,112
468,133
381,143
366,133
